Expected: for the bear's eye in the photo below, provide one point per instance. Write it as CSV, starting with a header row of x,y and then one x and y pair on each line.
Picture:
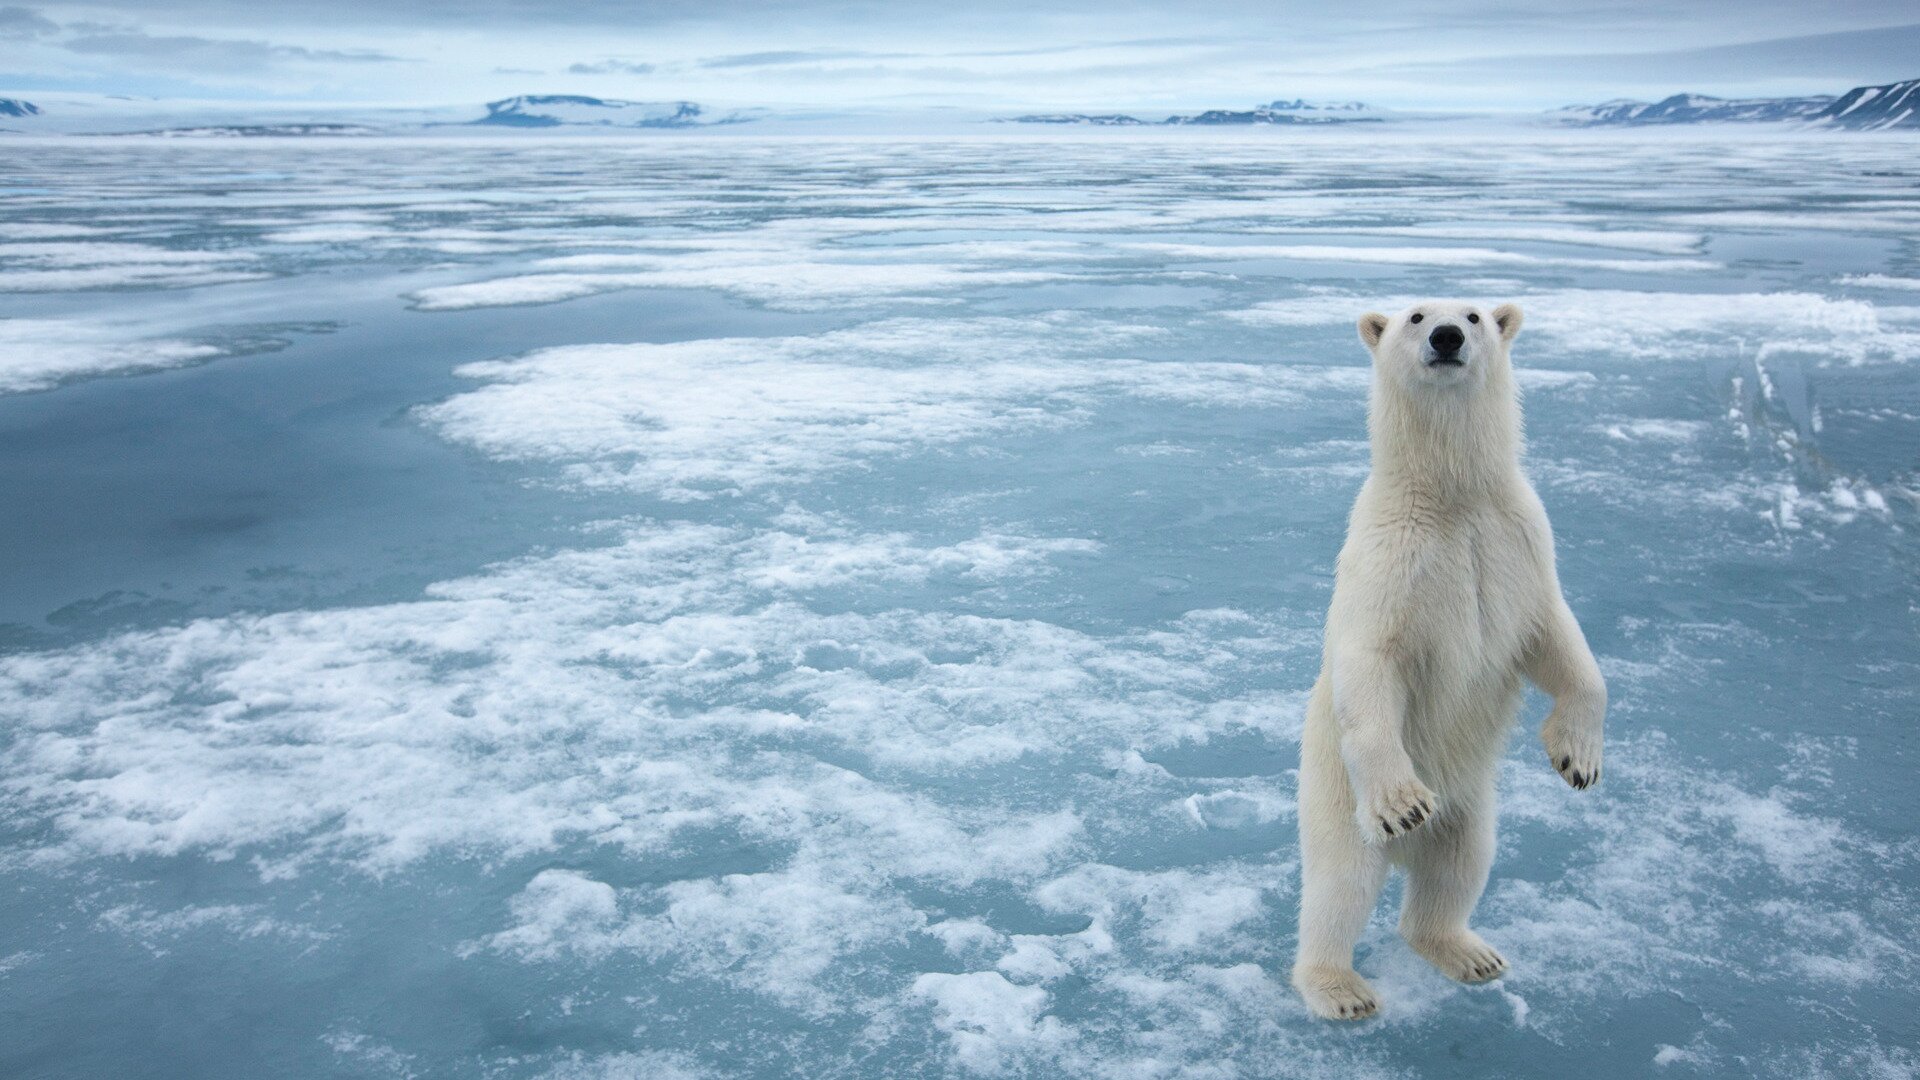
x,y
1473,318
1416,317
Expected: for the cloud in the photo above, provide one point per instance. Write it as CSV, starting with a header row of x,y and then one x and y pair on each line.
x,y
611,67
1032,57
18,23
232,54
1851,57
795,56
784,57
1090,46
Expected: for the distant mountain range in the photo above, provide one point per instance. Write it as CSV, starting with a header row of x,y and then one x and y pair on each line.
x,y
254,131
1864,108
1291,112
1691,109
569,110
1090,119
1278,112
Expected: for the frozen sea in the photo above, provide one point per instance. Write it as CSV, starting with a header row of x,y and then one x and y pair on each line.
x,y
745,607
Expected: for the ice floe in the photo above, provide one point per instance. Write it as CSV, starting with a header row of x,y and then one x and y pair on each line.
x,y
816,761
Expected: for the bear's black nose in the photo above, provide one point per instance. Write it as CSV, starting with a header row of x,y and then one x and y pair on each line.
x,y
1446,339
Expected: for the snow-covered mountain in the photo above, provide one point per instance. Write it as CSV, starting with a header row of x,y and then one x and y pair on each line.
x,y
17,107
1875,108
1691,109
1289,112
1337,110
253,131
1090,119
558,110
1279,112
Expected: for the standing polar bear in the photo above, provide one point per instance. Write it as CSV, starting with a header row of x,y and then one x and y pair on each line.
x,y
1444,599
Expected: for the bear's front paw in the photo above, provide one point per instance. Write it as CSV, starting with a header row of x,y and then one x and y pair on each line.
x,y
1575,753
1397,809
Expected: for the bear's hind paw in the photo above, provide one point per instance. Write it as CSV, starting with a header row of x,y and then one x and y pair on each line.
x,y
1336,994
1463,957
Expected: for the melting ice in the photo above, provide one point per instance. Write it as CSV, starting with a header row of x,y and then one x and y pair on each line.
x,y
733,607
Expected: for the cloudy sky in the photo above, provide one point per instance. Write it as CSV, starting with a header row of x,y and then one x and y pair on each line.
x,y
1099,54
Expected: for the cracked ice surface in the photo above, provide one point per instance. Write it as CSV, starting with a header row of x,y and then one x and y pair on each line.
x,y
738,607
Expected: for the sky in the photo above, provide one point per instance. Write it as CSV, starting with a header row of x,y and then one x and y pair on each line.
x,y
921,54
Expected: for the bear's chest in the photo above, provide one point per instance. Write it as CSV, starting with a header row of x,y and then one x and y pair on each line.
x,y
1471,593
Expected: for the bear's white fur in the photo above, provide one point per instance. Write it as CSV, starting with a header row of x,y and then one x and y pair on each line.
x,y
1445,598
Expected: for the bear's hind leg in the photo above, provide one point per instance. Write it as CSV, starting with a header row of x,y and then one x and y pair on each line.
x,y
1446,873
1341,877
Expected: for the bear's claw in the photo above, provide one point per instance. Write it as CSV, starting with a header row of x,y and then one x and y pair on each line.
x,y
1576,759
1462,956
1406,805
1335,994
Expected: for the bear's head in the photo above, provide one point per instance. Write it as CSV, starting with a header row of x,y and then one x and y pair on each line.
x,y
1441,343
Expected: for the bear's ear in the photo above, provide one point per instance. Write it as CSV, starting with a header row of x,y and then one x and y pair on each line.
x,y
1372,325
1508,318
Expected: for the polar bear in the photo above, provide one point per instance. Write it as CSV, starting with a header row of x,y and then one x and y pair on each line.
x,y
1444,598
